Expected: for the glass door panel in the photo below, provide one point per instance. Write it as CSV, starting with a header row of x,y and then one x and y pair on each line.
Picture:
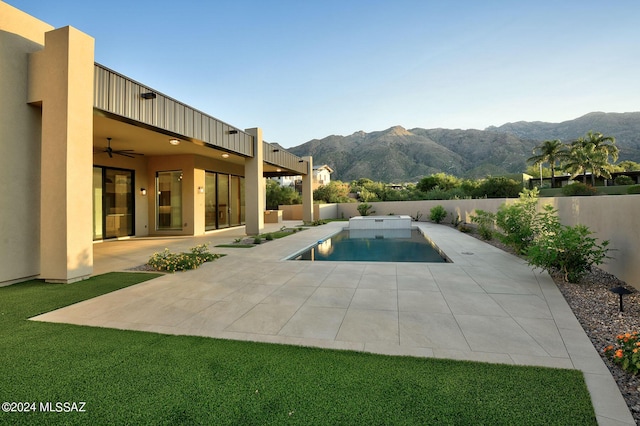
x,y
118,203
97,204
242,202
169,200
209,201
234,201
223,201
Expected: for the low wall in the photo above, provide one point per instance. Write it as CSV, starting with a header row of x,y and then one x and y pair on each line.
x,y
320,211
611,217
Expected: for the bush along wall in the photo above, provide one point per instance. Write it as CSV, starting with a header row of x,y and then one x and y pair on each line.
x,y
545,242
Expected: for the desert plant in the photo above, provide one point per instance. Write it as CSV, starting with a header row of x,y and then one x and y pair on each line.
x,y
568,249
257,240
268,237
365,209
486,222
464,228
578,188
623,180
438,213
516,220
455,219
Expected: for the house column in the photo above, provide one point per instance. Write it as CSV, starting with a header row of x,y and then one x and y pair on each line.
x,y
254,185
307,191
61,79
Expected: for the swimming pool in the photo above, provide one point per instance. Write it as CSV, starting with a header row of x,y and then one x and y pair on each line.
x,y
388,245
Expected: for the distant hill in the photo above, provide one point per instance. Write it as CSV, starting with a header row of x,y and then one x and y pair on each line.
x,y
625,127
401,155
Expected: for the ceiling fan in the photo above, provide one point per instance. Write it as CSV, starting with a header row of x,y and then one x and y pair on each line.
x,y
124,152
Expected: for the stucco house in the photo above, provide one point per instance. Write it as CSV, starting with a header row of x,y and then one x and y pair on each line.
x,y
89,154
321,176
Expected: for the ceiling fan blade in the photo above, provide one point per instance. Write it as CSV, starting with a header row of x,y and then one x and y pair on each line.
x,y
124,154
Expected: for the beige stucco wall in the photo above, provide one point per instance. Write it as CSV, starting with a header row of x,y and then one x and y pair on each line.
x,y
255,193
20,35
61,79
46,204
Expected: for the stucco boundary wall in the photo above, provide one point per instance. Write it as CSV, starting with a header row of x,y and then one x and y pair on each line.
x,y
610,217
320,211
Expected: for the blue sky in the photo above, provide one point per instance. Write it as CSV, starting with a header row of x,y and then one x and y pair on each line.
x,y
303,70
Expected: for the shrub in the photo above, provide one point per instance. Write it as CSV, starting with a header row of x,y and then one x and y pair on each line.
x,y
455,219
257,240
268,237
568,249
486,222
626,352
172,262
623,180
438,213
635,189
498,187
578,188
365,209
464,228
517,220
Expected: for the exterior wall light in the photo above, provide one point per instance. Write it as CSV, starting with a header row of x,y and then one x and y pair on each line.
x,y
148,95
276,150
143,191
233,132
201,189
174,142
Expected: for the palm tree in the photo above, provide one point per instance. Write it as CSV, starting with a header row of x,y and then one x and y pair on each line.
x,y
593,152
551,152
601,143
578,161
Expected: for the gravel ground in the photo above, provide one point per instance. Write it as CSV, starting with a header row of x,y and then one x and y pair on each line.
x,y
598,311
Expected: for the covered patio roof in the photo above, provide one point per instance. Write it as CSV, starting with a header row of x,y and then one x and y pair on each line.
x,y
137,117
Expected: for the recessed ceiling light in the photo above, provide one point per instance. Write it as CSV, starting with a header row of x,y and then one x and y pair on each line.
x,y
174,142
225,155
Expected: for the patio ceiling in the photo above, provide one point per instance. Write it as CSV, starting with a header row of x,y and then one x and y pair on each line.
x,y
153,143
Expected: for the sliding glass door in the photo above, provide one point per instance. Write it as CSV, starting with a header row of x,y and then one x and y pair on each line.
x,y
224,200
113,204
169,200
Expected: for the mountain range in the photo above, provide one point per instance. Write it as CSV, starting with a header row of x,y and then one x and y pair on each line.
x,y
406,155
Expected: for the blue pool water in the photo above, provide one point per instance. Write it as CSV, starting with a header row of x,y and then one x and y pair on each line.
x,y
408,245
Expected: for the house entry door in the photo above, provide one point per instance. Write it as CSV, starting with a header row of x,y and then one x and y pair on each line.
x,y
113,209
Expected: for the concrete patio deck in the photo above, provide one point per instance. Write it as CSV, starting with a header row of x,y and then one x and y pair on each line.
x,y
485,306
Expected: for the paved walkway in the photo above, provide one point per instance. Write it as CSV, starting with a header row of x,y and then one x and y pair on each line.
x,y
485,306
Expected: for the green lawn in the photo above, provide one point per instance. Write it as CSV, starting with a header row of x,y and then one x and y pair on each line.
x,y
128,377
